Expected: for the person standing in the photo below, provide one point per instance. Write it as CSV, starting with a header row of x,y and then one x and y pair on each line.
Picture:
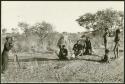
x,y
105,36
7,47
116,40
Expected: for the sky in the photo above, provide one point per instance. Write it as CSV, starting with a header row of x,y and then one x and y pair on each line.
x,y
61,14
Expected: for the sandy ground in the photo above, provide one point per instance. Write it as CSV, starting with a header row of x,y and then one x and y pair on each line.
x,y
45,67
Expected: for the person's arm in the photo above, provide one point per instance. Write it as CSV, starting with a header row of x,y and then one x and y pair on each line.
x,y
90,43
81,47
74,47
119,37
91,46
8,46
66,52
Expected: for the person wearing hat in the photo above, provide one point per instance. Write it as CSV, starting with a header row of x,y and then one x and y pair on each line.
x,y
7,47
63,53
116,40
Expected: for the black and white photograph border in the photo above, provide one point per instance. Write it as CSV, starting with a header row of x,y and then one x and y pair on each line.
x,y
62,42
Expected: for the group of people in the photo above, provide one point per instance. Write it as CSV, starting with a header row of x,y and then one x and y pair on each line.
x,y
116,47
78,48
85,48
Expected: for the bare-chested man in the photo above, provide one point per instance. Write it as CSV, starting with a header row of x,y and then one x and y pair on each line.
x,y
105,36
116,40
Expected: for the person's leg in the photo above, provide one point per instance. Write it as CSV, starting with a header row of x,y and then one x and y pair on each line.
x,y
87,51
107,57
77,53
80,52
6,63
3,64
115,49
83,51
105,44
60,55
90,50
65,57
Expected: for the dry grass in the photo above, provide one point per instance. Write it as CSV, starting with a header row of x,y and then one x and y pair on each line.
x,y
49,69
45,67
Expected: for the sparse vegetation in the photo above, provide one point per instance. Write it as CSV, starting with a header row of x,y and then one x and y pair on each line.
x,y
37,44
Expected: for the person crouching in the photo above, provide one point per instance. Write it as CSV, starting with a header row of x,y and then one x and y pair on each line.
x,y
77,49
63,53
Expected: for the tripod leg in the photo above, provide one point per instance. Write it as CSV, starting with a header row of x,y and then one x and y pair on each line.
x,y
17,61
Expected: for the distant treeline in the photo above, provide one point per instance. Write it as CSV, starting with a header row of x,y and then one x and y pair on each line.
x,y
41,36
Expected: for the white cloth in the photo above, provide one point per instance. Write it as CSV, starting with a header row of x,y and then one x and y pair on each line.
x,y
73,56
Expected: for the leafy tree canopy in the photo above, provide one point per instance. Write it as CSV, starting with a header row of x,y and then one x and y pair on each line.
x,y
107,18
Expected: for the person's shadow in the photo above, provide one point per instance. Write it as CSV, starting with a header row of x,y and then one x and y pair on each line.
x,y
94,60
32,59
57,59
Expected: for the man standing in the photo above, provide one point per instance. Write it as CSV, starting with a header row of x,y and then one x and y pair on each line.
x,y
105,36
116,40
7,46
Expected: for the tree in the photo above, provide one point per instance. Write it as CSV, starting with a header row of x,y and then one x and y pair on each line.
x,y
101,19
86,20
15,30
42,29
24,27
4,30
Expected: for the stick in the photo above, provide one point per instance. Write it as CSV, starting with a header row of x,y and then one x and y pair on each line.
x,y
17,61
